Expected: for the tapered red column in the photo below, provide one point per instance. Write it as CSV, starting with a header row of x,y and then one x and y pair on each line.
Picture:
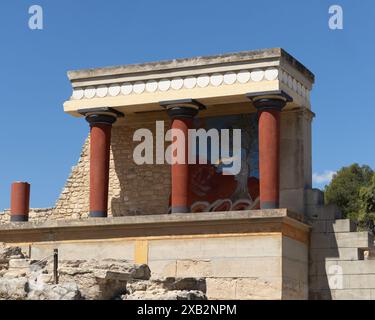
x,y
182,113
100,142
19,202
269,108
182,119
269,157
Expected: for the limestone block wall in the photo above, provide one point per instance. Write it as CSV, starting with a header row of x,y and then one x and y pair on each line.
x,y
245,267
74,198
341,258
35,215
253,266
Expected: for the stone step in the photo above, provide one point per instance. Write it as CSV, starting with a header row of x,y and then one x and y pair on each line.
x,y
342,225
328,226
337,282
362,240
336,254
348,294
323,212
359,267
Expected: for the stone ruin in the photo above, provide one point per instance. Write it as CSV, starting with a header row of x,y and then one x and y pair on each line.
x,y
264,233
109,279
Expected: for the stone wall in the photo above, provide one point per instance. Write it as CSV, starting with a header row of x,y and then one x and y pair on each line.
x,y
245,267
234,267
255,254
295,158
35,215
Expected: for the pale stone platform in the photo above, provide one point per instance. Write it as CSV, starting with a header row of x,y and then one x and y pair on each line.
x,y
257,254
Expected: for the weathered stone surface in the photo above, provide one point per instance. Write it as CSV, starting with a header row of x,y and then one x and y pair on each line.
x,y
323,212
244,288
7,253
337,226
85,250
13,288
169,283
167,289
294,289
66,291
221,288
184,284
314,197
165,295
22,278
361,239
19,263
325,254
104,279
35,214
196,249
192,62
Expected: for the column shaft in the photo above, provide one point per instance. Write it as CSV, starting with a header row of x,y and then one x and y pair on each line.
x,y
19,202
180,172
269,158
100,141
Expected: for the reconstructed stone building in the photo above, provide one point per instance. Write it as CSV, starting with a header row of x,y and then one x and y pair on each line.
x,y
262,233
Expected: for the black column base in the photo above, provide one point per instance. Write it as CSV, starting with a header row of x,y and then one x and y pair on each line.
x,y
180,209
98,214
19,218
269,205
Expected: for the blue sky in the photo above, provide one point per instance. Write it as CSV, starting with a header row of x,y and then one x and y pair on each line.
x,y
40,144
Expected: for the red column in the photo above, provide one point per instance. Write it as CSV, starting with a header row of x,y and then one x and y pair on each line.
x,y
100,142
269,107
182,113
269,158
180,172
19,202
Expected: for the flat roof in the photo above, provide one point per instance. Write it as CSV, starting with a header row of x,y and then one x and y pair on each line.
x,y
185,63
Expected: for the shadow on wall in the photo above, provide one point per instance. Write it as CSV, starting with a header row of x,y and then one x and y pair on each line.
x,y
136,189
334,244
323,248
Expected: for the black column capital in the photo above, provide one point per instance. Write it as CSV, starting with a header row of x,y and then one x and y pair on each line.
x,y
183,108
100,118
104,115
271,100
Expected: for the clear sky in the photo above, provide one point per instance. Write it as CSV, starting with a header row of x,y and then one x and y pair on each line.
x,y
40,144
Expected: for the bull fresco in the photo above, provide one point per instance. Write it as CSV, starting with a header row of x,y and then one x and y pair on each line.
x,y
209,189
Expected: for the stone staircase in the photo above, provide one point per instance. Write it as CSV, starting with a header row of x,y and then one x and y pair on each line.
x,y
342,259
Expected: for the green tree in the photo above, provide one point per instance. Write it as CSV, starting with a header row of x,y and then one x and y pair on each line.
x,y
348,188
366,216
